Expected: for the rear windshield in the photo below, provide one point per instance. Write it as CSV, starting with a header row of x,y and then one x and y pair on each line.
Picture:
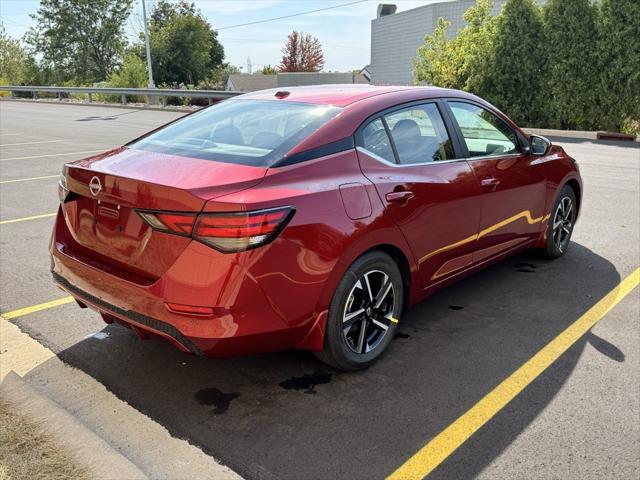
x,y
249,132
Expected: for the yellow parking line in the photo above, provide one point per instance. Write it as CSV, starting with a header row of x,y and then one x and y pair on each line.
x,y
36,308
52,155
31,143
24,219
447,441
28,179
20,353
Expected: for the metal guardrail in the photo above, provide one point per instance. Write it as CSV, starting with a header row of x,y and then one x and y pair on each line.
x,y
162,93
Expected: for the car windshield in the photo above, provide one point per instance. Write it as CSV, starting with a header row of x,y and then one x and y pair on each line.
x,y
248,132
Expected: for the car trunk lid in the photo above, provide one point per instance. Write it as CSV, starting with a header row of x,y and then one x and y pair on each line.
x,y
105,191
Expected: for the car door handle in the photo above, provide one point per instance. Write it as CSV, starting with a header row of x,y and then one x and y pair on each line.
x,y
490,182
399,197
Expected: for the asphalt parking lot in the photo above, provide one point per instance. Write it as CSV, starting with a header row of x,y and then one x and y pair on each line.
x,y
287,416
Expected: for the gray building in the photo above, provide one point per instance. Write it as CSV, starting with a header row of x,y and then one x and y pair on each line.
x,y
245,82
295,79
395,37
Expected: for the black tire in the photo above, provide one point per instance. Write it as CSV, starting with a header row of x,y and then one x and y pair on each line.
x,y
560,225
360,344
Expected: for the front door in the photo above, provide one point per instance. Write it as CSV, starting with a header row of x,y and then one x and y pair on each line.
x,y
512,183
432,197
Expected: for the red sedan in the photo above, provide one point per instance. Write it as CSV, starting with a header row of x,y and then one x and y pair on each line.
x,y
310,218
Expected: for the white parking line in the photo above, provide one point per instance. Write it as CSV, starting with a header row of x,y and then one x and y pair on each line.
x,y
28,179
8,134
30,143
53,155
23,219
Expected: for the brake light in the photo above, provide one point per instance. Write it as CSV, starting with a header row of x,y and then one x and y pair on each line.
x,y
235,232
226,232
170,222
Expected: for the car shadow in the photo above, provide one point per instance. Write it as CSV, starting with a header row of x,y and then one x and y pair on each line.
x,y
285,415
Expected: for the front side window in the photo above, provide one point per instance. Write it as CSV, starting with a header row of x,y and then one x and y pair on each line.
x,y
248,132
483,132
419,134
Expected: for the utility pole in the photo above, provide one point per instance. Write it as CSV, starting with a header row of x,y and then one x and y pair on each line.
x,y
146,41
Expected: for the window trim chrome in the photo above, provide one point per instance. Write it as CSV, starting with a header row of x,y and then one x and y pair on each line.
x,y
381,114
455,137
435,162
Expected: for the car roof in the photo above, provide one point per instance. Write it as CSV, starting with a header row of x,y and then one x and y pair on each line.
x,y
338,95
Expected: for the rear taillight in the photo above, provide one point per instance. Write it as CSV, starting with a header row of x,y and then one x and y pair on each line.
x,y
226,232
234,232
170,222
63,190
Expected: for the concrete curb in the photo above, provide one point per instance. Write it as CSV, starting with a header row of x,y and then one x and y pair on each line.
x,y
548,132
88,449
588,135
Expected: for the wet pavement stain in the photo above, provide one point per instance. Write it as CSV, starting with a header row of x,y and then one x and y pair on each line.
x,y
307,382
216,398
526,267
443,329
401,335
455,307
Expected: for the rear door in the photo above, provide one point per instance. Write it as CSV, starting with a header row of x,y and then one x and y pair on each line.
x,y
513,184
408,154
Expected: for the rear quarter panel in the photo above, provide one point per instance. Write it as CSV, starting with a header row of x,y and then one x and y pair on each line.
x,y
300,270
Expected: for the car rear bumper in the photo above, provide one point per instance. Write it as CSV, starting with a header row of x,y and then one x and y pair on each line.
x,y
251,325
134,319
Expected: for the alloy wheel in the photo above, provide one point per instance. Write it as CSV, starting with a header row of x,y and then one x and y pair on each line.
x,y
563,223
368,312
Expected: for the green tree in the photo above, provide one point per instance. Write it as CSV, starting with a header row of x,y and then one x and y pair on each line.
x,y
516,64
474,44
268,70
79,40
436,62
619,63
165,10
460,62
132,73
571,84
184,47
13,60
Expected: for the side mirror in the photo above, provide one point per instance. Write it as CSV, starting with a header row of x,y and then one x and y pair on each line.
x,y
539,145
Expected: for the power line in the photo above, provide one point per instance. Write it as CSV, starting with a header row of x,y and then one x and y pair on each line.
x,y
4,19
279,42
291,15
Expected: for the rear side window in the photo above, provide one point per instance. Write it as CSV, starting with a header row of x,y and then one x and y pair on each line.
x,y
376,140
483,132
248,132
419,134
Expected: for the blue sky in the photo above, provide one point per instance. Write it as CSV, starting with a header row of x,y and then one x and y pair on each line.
x,y
344,32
